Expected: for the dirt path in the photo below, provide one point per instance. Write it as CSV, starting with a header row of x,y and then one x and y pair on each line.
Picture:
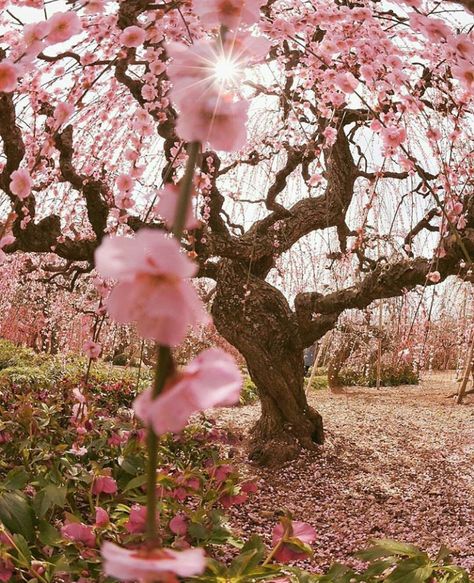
x,y
397,463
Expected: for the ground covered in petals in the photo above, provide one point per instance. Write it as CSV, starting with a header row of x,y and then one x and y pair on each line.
x,y
397,463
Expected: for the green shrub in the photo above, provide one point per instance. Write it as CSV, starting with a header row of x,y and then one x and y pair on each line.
x,y
34,377
249,394
392,375
319,382
120,359
13,355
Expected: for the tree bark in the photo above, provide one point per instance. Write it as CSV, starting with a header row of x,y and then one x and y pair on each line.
x,y
255,318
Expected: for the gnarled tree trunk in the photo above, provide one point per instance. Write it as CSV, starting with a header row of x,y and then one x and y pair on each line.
x,y
255,318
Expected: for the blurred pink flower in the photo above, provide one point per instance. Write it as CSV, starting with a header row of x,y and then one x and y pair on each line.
x,y
151,565
124,182
152,288
79,532
393,137
34,35
8,77
21,183
101,516
63,112
92,349
302,531
62,26
463,45
104,485
464,73
212,379
132,36
230,13
179,524
6,569
137,519
434,276
167,206
215,119
346,82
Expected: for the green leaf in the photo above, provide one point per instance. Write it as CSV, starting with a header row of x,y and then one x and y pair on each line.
x,y
338,573
24,553
48,498
443,554
379,567
131,464
16,479
411,571
197,531
387,548
48,535
17,515
244,563
135,483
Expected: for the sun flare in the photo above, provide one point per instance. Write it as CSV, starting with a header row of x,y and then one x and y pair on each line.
x,y
226,70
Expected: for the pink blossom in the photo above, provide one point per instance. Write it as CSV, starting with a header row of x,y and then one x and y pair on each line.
x,y
92,349
151,565
93,6
78,395
137,519
104,485
124,183
8,77
331,135
433,134
222,472
62,112
435,29
463,45
4,241
434,276
168,204
243,48
193,67
34,35
302,531
63,25
315,179
346,82
76,449
132,36
393,137
215,119
20,183
212,379
230,13
179,524
6,570
152,288
464,73
79,532
101,517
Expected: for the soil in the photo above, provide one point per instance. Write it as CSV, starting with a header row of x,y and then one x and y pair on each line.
x,y
397,463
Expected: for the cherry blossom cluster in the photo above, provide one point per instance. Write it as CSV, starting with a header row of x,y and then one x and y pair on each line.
x,y
202,75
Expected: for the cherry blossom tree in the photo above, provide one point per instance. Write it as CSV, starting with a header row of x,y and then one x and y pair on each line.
x,y
351,118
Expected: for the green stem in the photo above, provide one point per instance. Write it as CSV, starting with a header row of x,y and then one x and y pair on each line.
x,y
162,370
164,365
276,548
186,191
